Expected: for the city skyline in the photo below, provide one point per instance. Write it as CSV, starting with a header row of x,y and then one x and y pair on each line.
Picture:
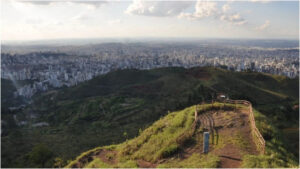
x,y
39,20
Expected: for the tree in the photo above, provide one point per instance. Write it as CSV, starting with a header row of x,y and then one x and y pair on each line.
x,y
59,163
40,154
125,135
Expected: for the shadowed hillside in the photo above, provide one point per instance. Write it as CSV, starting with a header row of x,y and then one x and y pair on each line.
x,y
114,107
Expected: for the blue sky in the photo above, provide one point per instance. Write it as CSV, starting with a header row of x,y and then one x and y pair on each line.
x,y
40,19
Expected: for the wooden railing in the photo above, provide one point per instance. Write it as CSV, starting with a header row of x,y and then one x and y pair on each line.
x,y
258,138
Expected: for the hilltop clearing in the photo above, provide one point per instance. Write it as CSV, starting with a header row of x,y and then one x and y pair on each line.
x,y
176,141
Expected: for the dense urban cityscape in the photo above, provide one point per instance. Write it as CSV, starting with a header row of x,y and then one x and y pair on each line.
x,y
69,66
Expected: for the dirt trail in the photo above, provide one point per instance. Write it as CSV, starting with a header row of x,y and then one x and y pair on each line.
x,y
145,164
106,156
236,125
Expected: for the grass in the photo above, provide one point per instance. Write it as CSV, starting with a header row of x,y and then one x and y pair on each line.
x,y
262,161
236,139
98,112
109,156
168,151
165,138
97,163
128,164
87,153
276,155
194,161
240,141
160,139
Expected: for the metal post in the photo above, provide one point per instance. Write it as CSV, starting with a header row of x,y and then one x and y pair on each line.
x,y
205,142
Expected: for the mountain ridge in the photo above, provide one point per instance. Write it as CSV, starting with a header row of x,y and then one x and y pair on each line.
x,y
176,141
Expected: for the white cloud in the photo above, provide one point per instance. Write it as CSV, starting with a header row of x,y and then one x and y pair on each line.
x,y
261,1
263,26
157,8
34,21
38,2
233,18
94,4
258,1
202,9
205,9
209,9
80,17
226,8
112,22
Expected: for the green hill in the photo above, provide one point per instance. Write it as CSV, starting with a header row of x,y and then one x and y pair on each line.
x,y
175,141
98,112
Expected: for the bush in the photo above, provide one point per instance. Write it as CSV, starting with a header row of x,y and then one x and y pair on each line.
x,y
128,164
97,163
262,161
194,161
59,163
110,156
185,139
40,155
169,151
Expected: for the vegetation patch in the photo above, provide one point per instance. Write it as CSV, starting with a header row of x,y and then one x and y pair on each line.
x,y
98,163
196,160
97,113
169,151
276,155
262,161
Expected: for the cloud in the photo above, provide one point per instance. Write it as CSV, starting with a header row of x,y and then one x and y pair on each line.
x,y
80,17
263,26
226,8
205,9
202,9
209,9
236,19
261,1
157,8
112,22
48,2
37,2
34,21
95,4
254,1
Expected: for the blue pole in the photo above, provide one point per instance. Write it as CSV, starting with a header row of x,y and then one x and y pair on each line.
x,y
206,142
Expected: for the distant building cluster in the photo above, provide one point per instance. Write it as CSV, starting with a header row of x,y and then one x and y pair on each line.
x,y
46,70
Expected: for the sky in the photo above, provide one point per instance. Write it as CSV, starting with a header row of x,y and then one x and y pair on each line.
x,y
67,19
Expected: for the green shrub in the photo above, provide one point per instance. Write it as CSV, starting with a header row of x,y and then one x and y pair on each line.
x,y
40,155
110,156
97,163
276,145
185,139
128,164
169,151
194,161
262,161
